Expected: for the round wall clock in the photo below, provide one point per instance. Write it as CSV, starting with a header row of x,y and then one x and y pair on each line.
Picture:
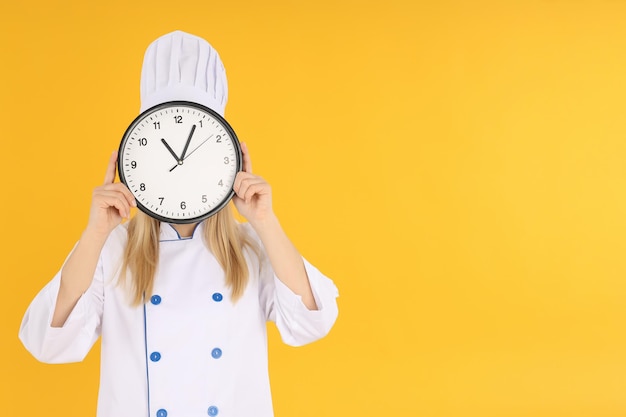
x,y
179,159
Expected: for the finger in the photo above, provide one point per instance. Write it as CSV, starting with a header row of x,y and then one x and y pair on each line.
x,y
240,177
255,189
250,187
244,181
247,163
109,177
122,188
107,199
122,207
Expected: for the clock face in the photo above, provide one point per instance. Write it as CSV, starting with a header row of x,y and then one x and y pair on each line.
x,y
180,159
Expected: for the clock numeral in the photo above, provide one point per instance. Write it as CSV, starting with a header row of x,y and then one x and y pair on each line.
x,y
161,198
133,164
200,122
142,186
218,139
157,125
183,206
221,183
143,142
204,199
178,119
226,160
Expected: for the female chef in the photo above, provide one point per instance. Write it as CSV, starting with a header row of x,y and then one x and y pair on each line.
x,y
181,308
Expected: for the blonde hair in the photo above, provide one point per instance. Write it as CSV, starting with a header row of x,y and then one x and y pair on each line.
x,y
221,235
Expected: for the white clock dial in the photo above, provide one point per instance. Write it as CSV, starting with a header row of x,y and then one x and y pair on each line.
x,y
179,160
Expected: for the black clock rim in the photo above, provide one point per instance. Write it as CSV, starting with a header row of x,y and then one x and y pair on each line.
x,y
220,119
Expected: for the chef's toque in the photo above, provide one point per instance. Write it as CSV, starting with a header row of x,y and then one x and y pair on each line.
x,y
180,66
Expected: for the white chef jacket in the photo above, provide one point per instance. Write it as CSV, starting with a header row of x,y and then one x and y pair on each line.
x,y
189,351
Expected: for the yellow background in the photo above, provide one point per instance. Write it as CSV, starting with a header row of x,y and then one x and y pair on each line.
x,y
456,167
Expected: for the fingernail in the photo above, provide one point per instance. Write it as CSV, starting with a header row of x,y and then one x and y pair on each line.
x,y
134,203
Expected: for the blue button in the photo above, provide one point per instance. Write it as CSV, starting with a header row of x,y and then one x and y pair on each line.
x,y
155,356
155,299
216,353
161,413
213,410
217,297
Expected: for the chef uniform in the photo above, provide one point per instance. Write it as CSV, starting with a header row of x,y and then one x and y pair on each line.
x,y
189,351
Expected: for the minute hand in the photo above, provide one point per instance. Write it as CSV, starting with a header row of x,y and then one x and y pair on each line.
x,y
182,155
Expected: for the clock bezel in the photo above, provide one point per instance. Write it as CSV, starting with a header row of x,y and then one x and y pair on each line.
x,y
178,103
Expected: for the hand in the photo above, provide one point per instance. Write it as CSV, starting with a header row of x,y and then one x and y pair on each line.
x,y
253,195
189,154
253,199
111,202
169,148
182,155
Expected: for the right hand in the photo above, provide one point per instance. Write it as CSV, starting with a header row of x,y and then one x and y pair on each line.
x,y
110,204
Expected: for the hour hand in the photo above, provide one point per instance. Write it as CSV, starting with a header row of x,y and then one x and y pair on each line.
x,y
171,150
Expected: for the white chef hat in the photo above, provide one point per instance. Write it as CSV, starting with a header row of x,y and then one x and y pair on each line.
x,y
180,66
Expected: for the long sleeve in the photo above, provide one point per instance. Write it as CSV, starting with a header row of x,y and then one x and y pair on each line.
x,y
296,323
69,343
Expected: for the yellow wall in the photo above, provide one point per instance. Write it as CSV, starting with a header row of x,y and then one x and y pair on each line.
x,y
457,167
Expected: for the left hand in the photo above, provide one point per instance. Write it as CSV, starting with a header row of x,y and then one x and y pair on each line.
x,y
253,195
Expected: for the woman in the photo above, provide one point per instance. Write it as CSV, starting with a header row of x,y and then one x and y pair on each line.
x,y
181,308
